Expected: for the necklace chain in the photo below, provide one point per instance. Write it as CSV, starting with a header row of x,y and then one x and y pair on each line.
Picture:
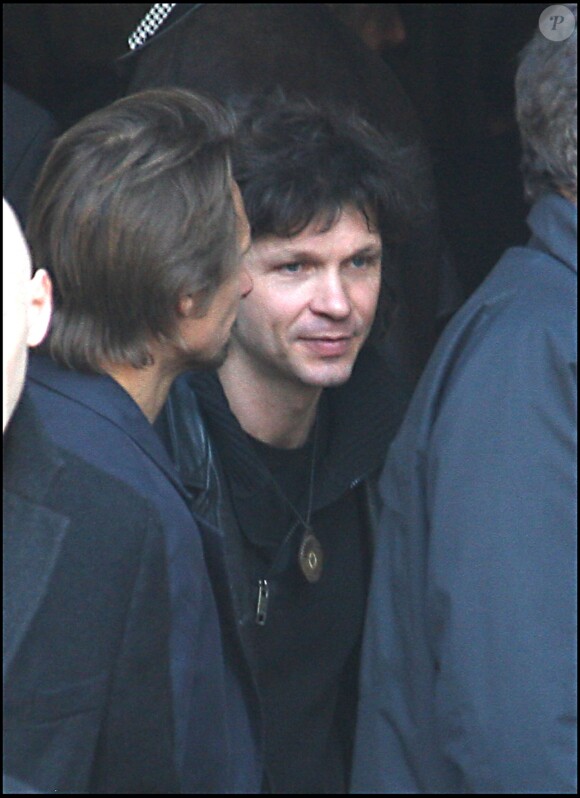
x,y
284,497
310,555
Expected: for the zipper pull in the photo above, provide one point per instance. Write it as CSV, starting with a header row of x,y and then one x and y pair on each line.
x,y
262,606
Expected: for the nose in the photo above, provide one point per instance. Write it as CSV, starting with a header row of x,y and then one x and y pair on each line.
x,y
330,296
246,282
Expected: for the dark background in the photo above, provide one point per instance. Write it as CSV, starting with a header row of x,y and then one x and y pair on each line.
x,y
456,61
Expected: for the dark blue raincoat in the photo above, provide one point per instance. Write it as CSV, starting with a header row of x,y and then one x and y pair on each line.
x,y
468,681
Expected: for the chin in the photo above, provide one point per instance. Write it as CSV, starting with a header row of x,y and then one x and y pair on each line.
x,y
329,376
208,361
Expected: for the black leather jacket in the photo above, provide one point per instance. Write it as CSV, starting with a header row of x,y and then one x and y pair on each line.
x,y
365,414
373,401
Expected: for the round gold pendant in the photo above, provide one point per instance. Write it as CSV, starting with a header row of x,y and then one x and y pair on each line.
x,y
310,557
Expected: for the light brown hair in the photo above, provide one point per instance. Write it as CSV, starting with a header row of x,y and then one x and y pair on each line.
x,y
133,209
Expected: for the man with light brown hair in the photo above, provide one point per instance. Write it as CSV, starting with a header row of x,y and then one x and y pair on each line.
x,y
87,699
141,226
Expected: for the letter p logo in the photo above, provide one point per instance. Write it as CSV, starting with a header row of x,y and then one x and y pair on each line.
x,y
557,23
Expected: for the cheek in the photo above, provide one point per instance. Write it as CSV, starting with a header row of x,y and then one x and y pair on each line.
x,y
232,304
365,298
255,315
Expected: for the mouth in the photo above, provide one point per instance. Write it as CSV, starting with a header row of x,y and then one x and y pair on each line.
x,y
328,346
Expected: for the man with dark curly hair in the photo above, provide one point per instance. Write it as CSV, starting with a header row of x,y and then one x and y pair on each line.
x,y
298,419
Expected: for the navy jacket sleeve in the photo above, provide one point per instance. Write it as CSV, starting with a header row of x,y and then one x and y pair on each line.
x,y
501,488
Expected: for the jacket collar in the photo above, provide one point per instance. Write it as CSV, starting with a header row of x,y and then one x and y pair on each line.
x,y
553,221
366,413
363,416
105,397
26,443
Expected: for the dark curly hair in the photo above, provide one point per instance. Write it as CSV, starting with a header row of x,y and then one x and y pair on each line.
x,y
298,162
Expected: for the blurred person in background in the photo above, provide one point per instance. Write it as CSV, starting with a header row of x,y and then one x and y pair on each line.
x,y
468,675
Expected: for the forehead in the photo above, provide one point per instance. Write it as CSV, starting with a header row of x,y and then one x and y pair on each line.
x,y
350,232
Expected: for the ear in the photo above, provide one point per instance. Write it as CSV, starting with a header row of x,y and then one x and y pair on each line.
x,y
246,282
187,305
39,307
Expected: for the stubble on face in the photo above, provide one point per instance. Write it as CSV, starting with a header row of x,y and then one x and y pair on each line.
x,y
305,322
205,361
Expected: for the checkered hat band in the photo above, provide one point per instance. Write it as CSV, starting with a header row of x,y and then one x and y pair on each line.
x,y
150,24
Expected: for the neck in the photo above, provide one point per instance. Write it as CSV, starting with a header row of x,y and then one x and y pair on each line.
x,y
279,413
148,386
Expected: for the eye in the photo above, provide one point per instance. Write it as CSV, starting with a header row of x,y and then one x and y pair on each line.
x,y
359,261
290,268
362,261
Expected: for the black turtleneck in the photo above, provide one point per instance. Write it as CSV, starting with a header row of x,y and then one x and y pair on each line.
x,y
305,656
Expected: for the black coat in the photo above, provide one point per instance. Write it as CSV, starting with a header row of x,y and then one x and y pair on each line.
x,y
87,706
302,654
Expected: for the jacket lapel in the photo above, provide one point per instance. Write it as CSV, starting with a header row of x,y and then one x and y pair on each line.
x,y
105,397
32,540
32,533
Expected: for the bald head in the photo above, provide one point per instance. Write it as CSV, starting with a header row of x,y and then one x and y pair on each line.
x,y
26,309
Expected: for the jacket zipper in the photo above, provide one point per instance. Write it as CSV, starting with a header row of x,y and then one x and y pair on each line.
x,y
262,605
